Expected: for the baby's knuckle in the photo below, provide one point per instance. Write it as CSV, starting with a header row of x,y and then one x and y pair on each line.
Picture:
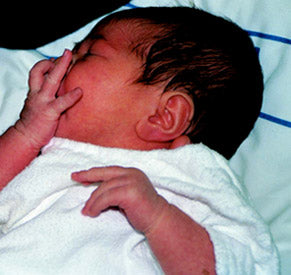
x,y
134,171
51,79
35,69
52,113
32,73
133,194
49,111
125,179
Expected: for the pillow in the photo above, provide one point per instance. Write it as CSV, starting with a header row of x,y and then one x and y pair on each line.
x,y
263,161
14,68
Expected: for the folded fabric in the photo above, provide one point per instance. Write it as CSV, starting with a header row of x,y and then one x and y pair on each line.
x,y
44,232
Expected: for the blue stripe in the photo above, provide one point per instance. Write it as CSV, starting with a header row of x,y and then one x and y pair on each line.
x,y
129,5
275,120
44,55
270,37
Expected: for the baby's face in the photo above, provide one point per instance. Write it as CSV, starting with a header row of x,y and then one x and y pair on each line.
x,y
105,69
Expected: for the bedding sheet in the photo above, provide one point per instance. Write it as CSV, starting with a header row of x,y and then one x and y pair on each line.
x,y
44,232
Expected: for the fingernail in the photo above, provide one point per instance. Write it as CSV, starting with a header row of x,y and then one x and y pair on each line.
x,y
76,174
78,91
66,51
84,211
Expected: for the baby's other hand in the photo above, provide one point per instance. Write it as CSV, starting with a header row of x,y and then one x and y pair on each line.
x,y
129,189
40,116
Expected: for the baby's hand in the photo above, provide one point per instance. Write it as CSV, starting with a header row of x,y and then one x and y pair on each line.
x,y
40,116
127,188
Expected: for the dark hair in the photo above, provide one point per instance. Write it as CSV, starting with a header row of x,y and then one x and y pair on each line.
x,y
211,59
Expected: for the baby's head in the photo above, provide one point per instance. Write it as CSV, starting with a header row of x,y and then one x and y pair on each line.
x,y
199,76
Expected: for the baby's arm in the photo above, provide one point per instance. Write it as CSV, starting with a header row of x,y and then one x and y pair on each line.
x,y
21,143
180,244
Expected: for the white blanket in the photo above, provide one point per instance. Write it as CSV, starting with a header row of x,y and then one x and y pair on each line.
x,y
44,232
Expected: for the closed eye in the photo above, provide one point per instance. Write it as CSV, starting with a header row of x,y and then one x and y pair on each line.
x,y
87,54
77,46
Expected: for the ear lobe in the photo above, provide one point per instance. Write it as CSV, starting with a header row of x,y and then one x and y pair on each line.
x,y
171,120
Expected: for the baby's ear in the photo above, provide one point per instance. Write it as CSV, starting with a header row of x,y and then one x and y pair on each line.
x,y
172,118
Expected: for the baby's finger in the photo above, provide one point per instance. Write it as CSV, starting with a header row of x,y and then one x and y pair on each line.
x,y
66,101
55,76
97,203
36,74
99,174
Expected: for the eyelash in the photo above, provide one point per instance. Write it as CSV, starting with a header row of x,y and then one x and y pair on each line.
x,y
87,54
77,46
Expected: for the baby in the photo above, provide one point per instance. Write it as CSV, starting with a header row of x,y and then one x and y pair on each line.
x,y
144,79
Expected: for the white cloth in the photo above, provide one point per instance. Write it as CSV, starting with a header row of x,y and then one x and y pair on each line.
x,y
44,232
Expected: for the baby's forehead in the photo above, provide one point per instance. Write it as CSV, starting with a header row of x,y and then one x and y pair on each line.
x,y
134,34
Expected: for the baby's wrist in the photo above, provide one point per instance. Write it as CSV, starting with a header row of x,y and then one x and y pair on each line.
x,y
159,220
26,137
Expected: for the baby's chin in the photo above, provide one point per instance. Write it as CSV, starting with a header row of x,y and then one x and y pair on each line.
x,y
70,130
